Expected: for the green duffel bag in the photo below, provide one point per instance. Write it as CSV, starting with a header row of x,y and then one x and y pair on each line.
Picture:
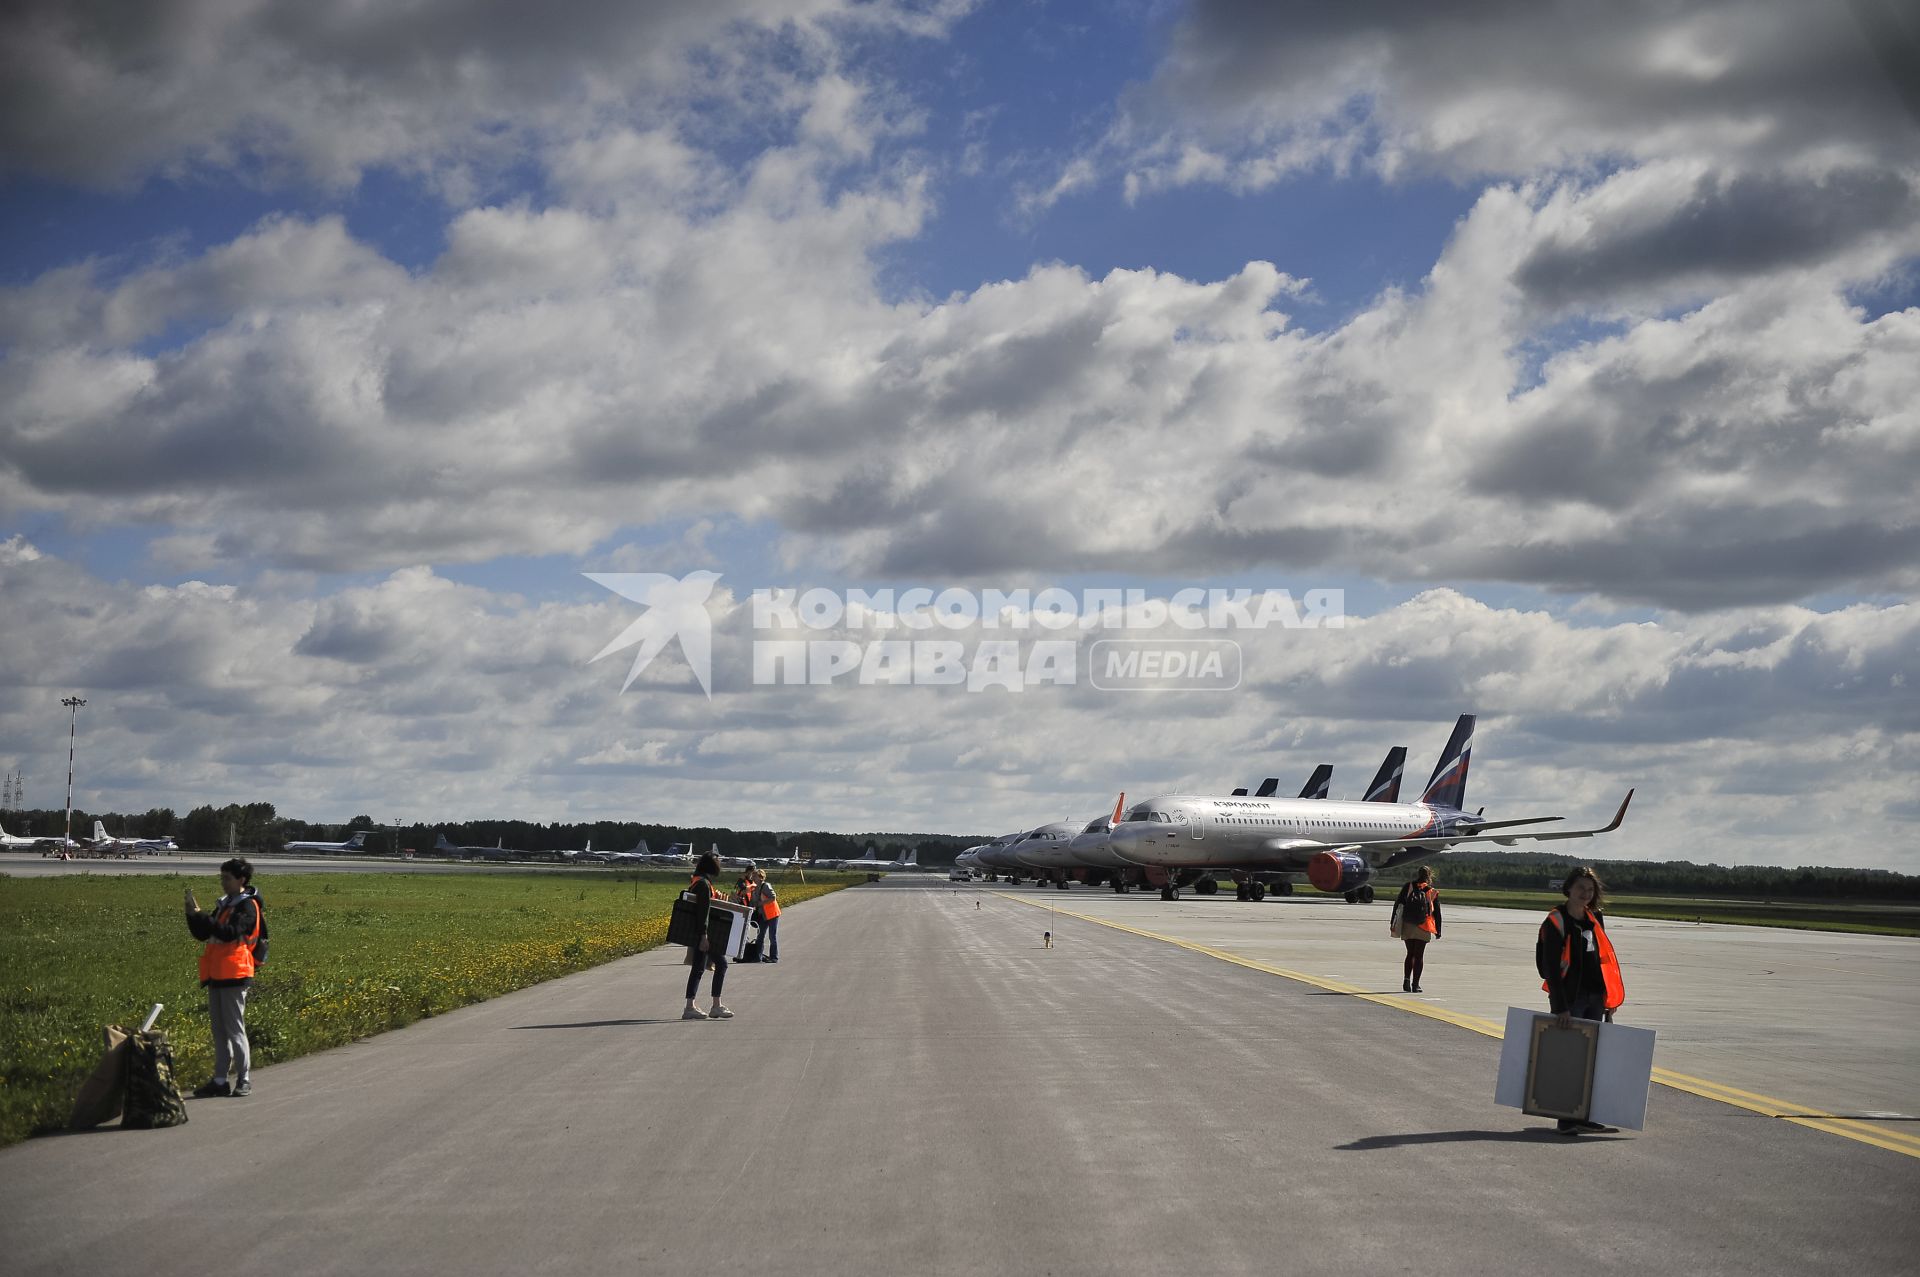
x,y
153,1097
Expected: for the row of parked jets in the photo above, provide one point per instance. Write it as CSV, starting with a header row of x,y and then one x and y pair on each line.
x,y
1263,842
679,855
101,844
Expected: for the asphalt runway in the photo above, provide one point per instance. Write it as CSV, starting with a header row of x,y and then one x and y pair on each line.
x,y
920,1086
1808,1022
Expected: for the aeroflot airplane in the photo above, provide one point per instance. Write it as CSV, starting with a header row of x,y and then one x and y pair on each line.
x,y
1340,846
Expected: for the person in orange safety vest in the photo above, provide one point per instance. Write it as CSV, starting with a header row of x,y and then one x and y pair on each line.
x,y
700,956
229,933
766,909
1416,921
1577,964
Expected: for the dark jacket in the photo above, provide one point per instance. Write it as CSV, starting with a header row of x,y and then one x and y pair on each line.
x,y
1583,978
238,925
1400,905
702,892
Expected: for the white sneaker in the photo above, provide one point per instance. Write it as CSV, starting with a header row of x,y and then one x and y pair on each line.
x,y
718,1012
693,1013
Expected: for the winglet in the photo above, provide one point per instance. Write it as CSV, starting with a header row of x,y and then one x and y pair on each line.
x,y
1119,804
1620,815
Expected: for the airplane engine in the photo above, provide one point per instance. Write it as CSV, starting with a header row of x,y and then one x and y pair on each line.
x,y
1339,871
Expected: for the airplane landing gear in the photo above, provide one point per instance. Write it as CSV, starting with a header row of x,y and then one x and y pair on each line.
x,y
1062,884
1256,891
1169,892
1366,895
1205,887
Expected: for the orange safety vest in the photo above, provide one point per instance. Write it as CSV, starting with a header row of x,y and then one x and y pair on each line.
x,y
1427,924
1609,964
230,959
769,908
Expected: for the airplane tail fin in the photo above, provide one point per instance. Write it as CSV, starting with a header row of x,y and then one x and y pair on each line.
x,y
1267,787
1119,806
1239,793
441,843
1319,783
1386,782
640,849
99,832
358,841
1448,787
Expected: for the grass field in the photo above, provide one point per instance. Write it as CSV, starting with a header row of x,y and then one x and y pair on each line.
x,y
352,955
1867,918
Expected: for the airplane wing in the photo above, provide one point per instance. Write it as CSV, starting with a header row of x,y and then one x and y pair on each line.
x,y
1503,839
1291,847
1302,846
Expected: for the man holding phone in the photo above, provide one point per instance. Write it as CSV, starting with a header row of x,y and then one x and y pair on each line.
x,y
226,973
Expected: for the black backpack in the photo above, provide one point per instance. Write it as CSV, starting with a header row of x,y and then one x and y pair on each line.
x,y
260,944
1419,904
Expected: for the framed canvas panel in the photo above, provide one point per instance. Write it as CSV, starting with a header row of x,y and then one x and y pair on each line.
x,y
1560,1069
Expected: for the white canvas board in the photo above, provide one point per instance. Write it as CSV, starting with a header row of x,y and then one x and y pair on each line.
x,y
1622,1074
1622,1069
737,933
1510,1087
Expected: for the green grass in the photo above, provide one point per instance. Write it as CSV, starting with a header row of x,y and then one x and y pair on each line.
x,y
353,955
1865,918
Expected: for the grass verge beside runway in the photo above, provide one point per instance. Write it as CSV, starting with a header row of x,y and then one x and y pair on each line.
x,y
1864,917
352,955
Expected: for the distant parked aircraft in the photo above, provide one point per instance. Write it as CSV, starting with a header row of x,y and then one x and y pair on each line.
x,y
355,843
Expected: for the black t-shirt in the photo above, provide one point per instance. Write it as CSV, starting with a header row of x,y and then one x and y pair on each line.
x,y
1583,972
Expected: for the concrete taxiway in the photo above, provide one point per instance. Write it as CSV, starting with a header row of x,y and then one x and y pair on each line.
x,y
920,1086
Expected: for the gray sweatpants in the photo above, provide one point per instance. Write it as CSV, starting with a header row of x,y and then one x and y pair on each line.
x,y
230,1050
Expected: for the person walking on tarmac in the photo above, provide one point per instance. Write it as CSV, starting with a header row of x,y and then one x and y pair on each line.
x,y
705,870
226,972
766,908
1577,965
1416,921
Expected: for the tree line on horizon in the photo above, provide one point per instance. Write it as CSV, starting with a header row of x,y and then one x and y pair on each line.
x,y
1536,871
253,827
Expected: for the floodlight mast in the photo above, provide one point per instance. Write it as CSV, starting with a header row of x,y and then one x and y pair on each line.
x,y
73,704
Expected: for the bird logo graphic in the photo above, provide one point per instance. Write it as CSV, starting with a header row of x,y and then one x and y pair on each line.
x,y
676,608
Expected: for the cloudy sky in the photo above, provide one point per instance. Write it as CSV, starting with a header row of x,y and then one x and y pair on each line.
x,y
1578,344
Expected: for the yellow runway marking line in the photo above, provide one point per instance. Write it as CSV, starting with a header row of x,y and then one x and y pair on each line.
x,y
1800,1114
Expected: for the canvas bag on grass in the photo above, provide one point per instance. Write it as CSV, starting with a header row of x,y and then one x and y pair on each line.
x,y
104,1094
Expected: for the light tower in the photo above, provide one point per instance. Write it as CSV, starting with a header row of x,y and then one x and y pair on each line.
x,y
73,704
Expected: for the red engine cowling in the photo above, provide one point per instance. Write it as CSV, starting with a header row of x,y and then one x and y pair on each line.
x,y
1338,871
